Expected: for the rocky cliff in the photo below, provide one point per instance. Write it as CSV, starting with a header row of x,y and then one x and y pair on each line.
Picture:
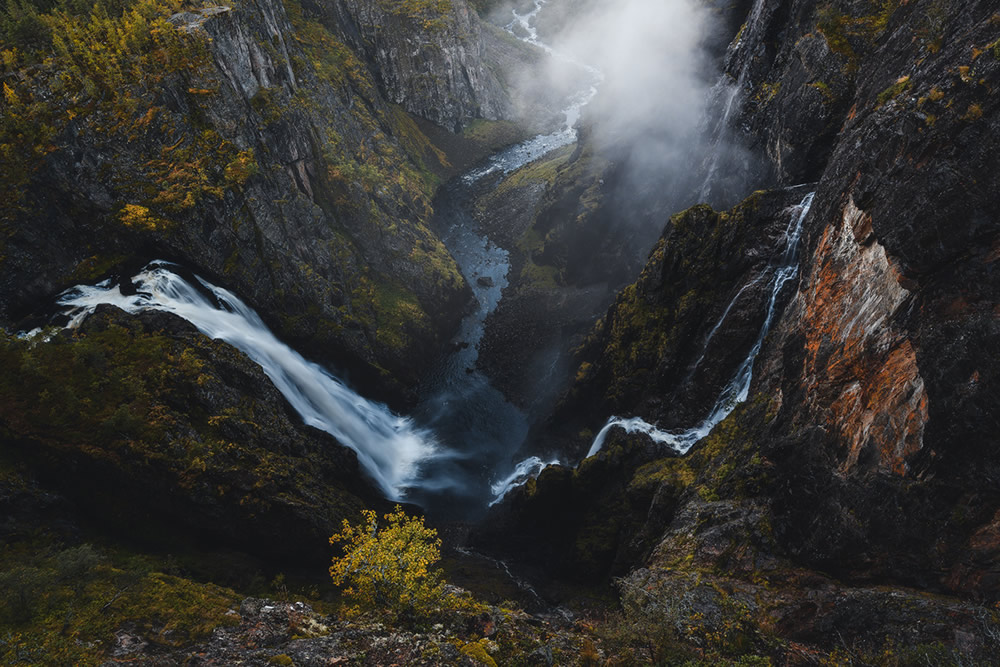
x,y
259,149
865,452
150,430
847,512
435,58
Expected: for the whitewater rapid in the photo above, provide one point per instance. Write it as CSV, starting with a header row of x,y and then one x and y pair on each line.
x,y
529,468
390,448
784,269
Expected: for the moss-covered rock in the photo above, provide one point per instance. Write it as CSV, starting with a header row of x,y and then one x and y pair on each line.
x,y
256,145
159,433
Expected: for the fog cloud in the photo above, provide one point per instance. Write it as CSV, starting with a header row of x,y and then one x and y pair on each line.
x,y
655,101
656,73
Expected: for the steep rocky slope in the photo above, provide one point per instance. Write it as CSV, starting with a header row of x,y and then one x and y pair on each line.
x,y
261,150
846,513
153,431
274,148
866,451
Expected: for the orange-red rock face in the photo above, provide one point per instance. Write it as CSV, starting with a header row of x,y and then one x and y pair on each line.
x,y
860,372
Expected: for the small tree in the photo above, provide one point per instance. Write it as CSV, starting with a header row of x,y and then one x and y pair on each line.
x,y
389,567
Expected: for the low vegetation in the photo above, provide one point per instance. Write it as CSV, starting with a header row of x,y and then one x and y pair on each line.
x,y
62,604
390,567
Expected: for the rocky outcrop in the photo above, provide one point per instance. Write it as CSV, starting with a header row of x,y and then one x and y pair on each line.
x,y
877,368
267,157
664,351
885,343
858,366
564,249
865,453
674,338
192,441
436,59
270,632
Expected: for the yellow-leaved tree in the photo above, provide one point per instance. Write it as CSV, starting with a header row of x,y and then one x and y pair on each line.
x,y
389,566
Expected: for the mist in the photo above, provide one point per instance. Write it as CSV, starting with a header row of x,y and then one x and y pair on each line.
x,y
657,110
656,75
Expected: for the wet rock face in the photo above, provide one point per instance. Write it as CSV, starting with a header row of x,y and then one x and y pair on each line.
x,y
322,228
795,90
674,338
194,442
888,344
436,58
872,454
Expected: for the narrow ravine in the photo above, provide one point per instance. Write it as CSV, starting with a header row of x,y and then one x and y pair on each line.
x,y
477,427
452,455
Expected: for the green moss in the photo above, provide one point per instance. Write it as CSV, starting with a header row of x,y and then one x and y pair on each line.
x,y
834,27
767,92
430,254
432,162
397,312
532,245
94,267
477,652
64,604
644,329
331,59
430,15
824,90
674,471
489,133
127,404
268,103
974,113
845,34
901,85
541,275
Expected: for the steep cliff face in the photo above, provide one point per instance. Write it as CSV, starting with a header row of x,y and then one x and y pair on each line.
x,y
866,451
674,338
264,155
886,342
435,58
880,360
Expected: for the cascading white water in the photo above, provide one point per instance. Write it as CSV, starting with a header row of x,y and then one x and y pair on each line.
x,y
388,446
737,390
722,318
529,468
506,161
731,94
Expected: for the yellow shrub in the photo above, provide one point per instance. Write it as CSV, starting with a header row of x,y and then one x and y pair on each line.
x,y
389,566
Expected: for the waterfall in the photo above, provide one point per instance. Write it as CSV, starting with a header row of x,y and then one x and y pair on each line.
x,y
731,97
722,318
736,391
529,468
389,447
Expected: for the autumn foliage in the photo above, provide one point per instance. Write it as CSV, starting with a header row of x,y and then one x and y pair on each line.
x,y
389,566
